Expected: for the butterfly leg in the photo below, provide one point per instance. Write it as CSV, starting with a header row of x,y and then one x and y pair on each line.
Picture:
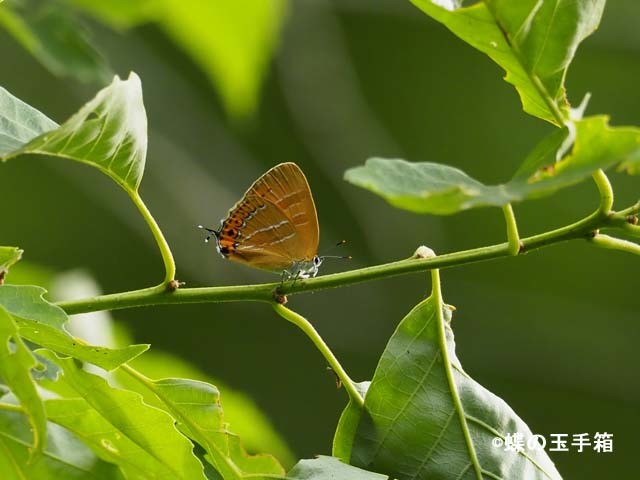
x,y
295,278
286,276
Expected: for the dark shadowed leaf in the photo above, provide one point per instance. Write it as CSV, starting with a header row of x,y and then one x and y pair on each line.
x,y
427,187
330,468
425,418
424,187
42,323
57,38
16,362
121,14
533,41
347,426
109,132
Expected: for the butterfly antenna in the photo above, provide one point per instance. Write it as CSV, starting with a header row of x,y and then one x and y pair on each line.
x,y
342,257
212,233
339,244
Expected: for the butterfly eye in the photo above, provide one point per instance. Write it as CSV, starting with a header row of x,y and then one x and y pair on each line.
x,y
317,261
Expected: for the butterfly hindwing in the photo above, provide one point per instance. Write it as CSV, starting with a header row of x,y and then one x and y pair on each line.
x,y
286,187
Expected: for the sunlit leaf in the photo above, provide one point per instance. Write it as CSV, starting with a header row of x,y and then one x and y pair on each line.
x,y
16,362
631,165
65,457
121,428
246,419
19,123
42,323
28,273
232,42
54,36
330,468
109,132
8,256
425,418
534,41
427,187
196,406
27,301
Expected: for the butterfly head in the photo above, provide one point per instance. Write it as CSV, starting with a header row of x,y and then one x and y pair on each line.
x,y
215,234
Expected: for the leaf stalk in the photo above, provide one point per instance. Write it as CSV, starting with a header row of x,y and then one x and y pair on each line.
x,y
606,191
513,237
306,326
165,250
436,296
613,243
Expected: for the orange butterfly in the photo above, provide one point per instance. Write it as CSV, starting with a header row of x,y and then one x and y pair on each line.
x,y
274,226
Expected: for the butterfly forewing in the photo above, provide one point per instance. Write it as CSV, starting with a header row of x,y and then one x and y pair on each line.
x,y
275,224
286,187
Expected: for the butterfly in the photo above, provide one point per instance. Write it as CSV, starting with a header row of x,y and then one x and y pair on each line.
x,y
274,226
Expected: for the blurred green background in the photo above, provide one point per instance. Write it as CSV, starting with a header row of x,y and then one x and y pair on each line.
x,y
327,84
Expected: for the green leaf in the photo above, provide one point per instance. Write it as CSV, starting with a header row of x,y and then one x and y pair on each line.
x,y
8,256
28,273
425,418
330,468
196,407
427,187
348,425
142,440
109,132
16,362
546,153
19,123
534,41
42,323
121,14
424,187
632,166
232,42
596,146
27,302
57,39
248,421
65,457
